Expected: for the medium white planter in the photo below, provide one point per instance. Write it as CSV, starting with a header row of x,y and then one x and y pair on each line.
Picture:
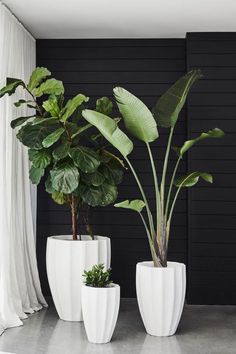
x,y
161,295
66,261
100,311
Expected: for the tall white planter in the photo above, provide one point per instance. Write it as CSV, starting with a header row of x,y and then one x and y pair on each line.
x,y
100,311
66,261
161,295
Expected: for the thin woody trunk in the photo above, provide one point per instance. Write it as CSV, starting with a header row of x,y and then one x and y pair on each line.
x,y
74,217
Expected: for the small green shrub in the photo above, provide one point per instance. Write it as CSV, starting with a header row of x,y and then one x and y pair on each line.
x,y
97,277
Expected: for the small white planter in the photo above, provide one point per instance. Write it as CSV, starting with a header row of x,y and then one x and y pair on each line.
x,y
100,311
66,261
161,295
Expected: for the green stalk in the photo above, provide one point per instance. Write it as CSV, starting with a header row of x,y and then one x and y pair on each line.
x,y
165,168
143,195
155,183
171,186
174,201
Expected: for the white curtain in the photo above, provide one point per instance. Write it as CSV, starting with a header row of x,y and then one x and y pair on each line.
x,y
20,291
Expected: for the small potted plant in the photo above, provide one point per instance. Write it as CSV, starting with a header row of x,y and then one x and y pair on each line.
x,y
100,304
77,169
160,284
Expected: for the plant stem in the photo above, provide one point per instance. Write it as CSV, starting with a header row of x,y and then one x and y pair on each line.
x,y
165,168
171,186
74,217
155,183
144,197
37,106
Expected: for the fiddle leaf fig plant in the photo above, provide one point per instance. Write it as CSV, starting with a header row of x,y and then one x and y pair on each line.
x,y
77,169
143,124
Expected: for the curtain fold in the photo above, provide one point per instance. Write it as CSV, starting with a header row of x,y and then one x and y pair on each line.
x,y
20,291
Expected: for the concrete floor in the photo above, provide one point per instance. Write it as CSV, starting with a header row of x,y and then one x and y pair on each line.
x,y
203,330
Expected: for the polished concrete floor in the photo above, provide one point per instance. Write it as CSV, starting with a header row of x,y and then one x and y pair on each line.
x,y
203,330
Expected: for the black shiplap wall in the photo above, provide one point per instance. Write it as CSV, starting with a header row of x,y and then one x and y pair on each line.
x,y
212,208
147,68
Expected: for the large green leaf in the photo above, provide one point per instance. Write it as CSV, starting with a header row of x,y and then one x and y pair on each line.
x,y
48,185
65,177
51,106
138,119
50,87
33,135
85,158
214,133
95,179
109,129
39,158
112,171
192,178
109,194
19,121
104,106
72,105
169,105
53,137
37,76
35,174
90,195
59,198
136,205
11,86
62,150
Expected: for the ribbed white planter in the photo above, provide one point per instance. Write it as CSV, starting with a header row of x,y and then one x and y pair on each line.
x,y
100,311
66,261
161,295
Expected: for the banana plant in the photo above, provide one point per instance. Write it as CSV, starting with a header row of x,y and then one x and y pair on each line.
x,y
143,124
78,168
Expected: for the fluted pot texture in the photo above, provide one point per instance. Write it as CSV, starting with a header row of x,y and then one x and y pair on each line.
x,y
161,295
66,261
100,311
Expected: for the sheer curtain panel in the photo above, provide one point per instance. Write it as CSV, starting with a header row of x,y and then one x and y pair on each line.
x,y
20,291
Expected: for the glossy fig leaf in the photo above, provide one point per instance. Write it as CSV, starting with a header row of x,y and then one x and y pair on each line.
x,y
109,129
85,158
169,105
192,178
59,198
50,87
35,174
65,177
19,121
136,205
95,179
112,171
11,86
72,105
109,194
37,76
39,158
90,195
138,119
48,185
62,150
104,106
33,135
51,106
53,137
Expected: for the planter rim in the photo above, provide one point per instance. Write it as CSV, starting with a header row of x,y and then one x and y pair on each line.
x,y
114,286
170,265
85,238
